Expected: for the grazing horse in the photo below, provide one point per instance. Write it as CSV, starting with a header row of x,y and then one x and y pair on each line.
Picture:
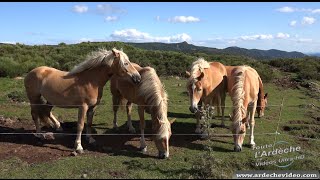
x,y
262,98
150,96
243,87
80,88
207,82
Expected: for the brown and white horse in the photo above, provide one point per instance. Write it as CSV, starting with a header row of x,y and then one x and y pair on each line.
x,y
207,82
150,96
80,88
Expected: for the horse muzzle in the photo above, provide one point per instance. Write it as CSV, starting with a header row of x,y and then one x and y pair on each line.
x,y
163,155
193,109
136,78
237,148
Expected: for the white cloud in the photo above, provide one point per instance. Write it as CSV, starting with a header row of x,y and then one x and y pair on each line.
x,y
183,19
293,23
8,42
109,9
303,40
308,20
158,18
282,35
286,9
111,18
134,35
257,37
80,8
315,11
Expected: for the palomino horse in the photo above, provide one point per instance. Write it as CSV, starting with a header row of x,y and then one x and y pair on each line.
x,y
243,87
207,82
80,88
149,95
262,98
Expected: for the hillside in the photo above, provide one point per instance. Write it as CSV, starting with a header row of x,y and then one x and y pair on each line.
x,y
190,48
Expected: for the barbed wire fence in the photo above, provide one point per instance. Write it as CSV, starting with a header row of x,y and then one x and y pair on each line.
x,y
206,116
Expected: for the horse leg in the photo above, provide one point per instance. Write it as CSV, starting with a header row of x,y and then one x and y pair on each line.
x,y
252,123
81,117
143,146
116,103
129,122
57,125
90,114
198,125
223,104
35,117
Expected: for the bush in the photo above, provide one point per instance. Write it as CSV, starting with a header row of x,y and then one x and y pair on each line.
x,y
10,68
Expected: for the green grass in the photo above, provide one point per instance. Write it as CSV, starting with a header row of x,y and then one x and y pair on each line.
x,y
187,160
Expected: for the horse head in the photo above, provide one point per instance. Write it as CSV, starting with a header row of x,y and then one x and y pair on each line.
x,y
261,105
122,66
195,89
239,131
162,139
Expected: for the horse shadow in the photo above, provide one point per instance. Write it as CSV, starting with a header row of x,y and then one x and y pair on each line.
x,y
114,142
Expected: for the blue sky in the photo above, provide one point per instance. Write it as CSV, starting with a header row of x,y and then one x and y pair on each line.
x,y
288,26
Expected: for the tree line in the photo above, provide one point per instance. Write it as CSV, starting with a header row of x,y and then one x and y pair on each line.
x,y
18,59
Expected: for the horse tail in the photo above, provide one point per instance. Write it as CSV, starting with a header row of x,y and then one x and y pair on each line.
x,y
261,91
32,84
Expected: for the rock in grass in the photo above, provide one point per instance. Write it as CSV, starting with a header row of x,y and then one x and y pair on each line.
x,y
84,175
49,136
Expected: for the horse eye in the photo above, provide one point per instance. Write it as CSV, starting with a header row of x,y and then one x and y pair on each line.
x,y
126,64
199,89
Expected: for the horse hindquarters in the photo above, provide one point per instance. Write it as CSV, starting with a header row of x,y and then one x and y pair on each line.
x,y
32,86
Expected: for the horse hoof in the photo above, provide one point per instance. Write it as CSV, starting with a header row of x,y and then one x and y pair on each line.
x,y
60,129
116,128
132,130
198,131
40,136
80,151
143,150
93,144
252,146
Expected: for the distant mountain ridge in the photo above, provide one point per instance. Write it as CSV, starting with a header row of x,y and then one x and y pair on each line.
x,y
189,48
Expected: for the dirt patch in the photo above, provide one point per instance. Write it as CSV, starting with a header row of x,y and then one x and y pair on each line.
x,y
17,140
286,82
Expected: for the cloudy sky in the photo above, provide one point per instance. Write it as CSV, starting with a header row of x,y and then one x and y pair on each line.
x,y
287,26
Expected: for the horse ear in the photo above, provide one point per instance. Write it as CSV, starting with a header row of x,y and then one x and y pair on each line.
x,y
201,76
121,49
115,52
188,74
266,96
172,120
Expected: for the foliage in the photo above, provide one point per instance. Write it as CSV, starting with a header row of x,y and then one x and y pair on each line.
x,y
16,60
306,68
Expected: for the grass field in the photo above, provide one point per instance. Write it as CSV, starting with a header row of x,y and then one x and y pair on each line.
x,y
190,157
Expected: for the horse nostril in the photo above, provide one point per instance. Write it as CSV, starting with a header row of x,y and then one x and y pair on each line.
x,y
191,109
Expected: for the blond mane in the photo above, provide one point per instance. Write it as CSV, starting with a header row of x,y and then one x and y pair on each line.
x,y
95,59
238,95
198,65
155,96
